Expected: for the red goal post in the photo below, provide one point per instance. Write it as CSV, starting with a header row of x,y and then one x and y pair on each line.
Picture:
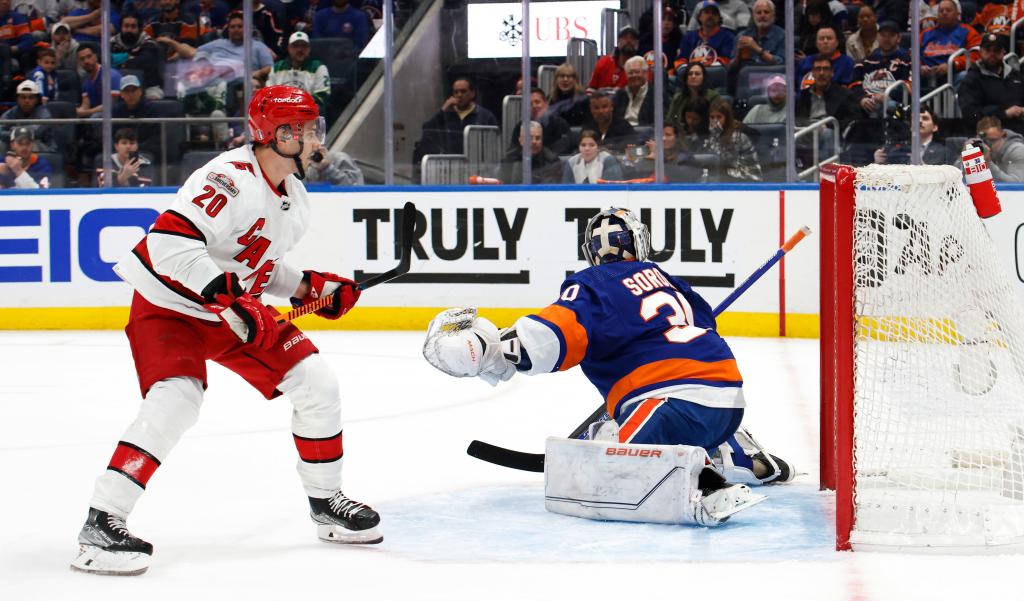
x,y
922,366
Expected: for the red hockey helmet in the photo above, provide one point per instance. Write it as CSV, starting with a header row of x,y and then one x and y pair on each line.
x,y
276,106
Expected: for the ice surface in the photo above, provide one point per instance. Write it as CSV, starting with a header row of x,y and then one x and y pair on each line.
x,y
228,518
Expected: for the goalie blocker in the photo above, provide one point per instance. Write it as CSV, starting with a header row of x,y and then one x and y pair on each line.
x,y
667,484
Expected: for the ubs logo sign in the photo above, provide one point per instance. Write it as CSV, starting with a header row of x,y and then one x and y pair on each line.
x,y
511,30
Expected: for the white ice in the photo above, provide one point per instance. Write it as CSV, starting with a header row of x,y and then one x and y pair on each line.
x,y
228,518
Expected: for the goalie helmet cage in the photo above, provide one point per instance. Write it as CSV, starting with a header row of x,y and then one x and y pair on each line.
x,y
922,378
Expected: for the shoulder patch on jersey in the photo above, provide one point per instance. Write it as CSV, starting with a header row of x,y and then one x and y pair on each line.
x,y
243,166
224,182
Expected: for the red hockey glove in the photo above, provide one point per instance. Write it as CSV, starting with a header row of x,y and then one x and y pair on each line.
x,y
249,319
320,284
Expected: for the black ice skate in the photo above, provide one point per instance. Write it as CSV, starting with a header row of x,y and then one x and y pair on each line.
x,y
107,547
339,519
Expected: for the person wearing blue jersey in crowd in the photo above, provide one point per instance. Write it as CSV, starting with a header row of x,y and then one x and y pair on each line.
x,y
645,339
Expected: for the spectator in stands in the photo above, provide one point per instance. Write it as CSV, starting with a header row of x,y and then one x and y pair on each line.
x,y
39,14
736,153
335,168
45,74
64,45
773,111
1004,150
517,90
941,41
132,104
302,71
828,44
886,65
734,15
21,167
929,14
590,163
763,43
173,24
635,102
340,20
442,133
710,44
227,55
993,88
270,26
695,126
897,11
557,134
132,169
16,34
146,10
816,15
545,166
29,106
998,17
864,41
133,49
209,14
615,132
824,97
568,99
678,165
87,23
92,82
610,72
695,87
933,152
671,35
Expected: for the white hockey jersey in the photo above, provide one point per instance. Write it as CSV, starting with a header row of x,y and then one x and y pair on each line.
x,y
226,218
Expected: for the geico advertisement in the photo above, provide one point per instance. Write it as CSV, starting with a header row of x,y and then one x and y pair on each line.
x,y
493,249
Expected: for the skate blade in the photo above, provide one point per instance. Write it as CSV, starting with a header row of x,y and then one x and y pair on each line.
x,y
331,533
93,560
751,500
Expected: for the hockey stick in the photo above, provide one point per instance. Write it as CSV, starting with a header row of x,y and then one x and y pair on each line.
x,y
534,462
404,261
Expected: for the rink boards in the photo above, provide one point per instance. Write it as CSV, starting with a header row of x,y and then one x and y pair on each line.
x,y
502,248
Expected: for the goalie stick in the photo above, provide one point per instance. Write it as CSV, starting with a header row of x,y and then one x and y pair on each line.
x,y
404,261
534,462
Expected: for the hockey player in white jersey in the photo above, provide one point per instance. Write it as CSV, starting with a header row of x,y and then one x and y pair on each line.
x,y
199,276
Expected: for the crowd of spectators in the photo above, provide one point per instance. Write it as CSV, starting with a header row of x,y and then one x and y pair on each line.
x,y
168,59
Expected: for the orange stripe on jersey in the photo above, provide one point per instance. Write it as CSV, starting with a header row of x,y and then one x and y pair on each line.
x,y
573,333
638,419
668,370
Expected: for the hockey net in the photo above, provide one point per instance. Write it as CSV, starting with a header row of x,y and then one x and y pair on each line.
x,y
922,366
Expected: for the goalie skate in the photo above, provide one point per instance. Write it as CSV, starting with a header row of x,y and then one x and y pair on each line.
x,y
342,520
717,507
107,547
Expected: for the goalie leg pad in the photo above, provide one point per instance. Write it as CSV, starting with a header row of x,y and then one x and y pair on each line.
x,y
606,480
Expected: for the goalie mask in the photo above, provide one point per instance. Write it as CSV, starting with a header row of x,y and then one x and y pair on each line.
x,y
615,235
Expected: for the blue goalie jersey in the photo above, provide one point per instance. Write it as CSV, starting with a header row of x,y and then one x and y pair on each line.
x,y
637,333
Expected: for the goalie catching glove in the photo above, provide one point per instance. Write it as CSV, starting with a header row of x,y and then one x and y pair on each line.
x,y
461,344
249,319
320,284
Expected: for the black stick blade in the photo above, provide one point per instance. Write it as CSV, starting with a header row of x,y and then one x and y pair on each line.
x,y
517,460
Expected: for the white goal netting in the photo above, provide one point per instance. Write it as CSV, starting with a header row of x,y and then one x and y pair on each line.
x,y
939,360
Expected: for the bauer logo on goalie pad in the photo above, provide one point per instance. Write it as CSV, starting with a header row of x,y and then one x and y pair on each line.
x,y
632,452
225,182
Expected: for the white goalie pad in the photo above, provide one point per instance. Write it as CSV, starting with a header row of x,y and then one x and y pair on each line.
x,y
607,480
462,344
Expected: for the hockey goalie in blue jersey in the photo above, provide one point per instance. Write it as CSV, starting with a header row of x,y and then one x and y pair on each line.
x,y
645,339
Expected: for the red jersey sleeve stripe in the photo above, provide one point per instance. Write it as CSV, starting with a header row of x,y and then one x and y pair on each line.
x,y
176,224
573,333
672,369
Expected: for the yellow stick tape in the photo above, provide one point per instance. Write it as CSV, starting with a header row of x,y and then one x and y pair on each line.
x,y
377,318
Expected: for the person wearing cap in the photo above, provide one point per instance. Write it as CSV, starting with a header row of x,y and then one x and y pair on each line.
x,y
65,46
22,168
773,111
733,14
134,49
610,70
302,71
29,106
133,104
341,20
711,43
886,65
940,42
863,41
992,88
